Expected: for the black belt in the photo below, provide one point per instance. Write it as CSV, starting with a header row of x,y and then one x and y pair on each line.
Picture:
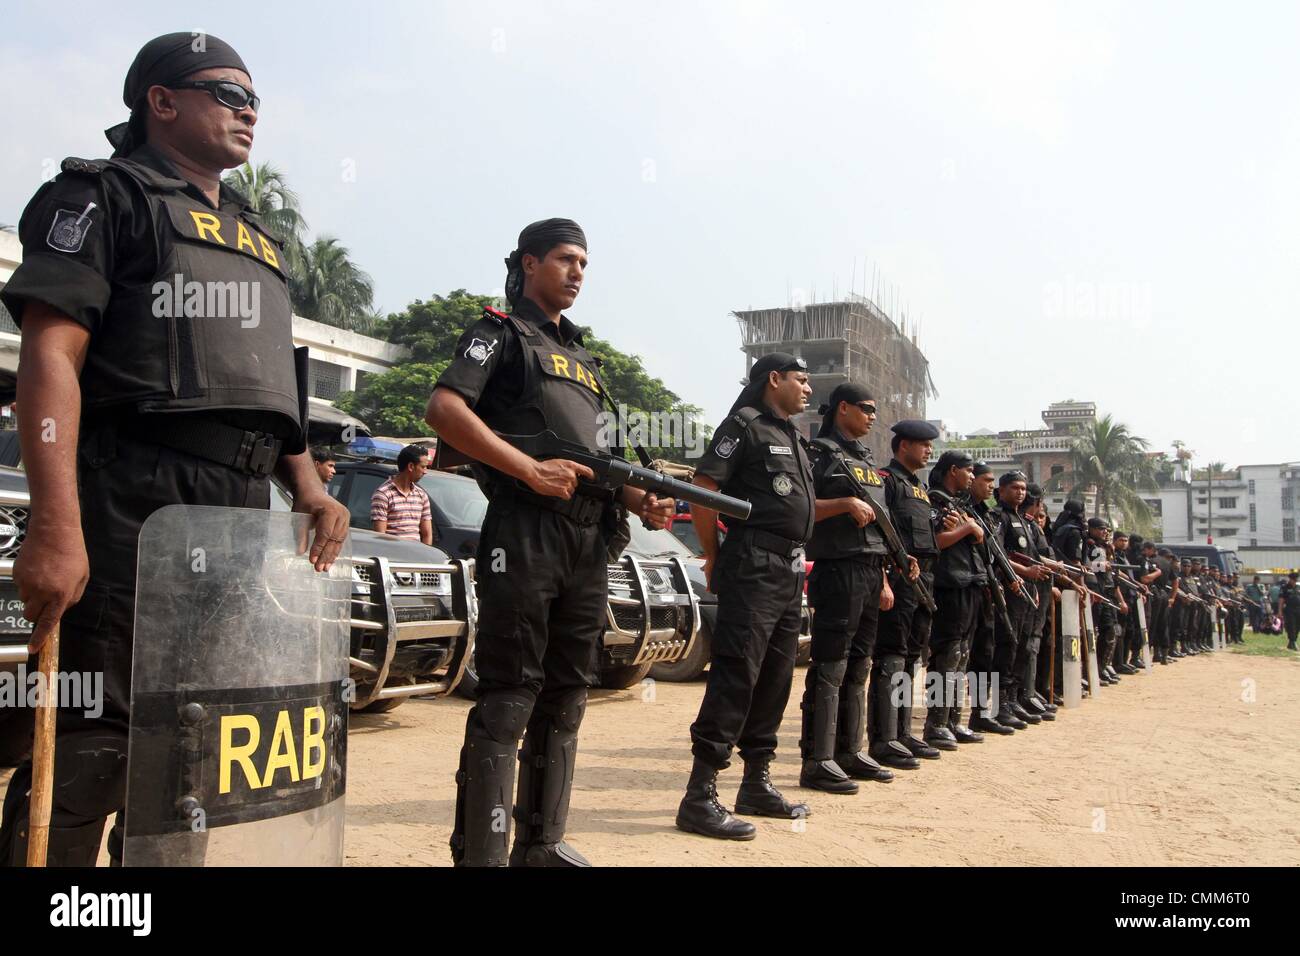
x,y
254,453
581,508
786,547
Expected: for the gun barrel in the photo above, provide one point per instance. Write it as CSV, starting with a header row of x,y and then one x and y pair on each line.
x,y
647,479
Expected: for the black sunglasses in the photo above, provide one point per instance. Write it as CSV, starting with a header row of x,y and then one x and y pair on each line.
x,y
226,93
867,409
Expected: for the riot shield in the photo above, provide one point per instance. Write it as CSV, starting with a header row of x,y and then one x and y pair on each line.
x,y
1071,661
1220,632
1089,629
1140,607
238,720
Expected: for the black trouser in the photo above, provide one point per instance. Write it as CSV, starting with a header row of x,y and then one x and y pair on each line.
x,y
1292,623
754,644
956,617
980,658
904,632
1007,644
845,596
122,481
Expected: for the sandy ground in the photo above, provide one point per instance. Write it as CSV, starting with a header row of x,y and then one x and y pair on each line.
x,y
1195,764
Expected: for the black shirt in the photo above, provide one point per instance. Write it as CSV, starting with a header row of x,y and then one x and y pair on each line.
x,y
765,464
488,369
830,481
119,246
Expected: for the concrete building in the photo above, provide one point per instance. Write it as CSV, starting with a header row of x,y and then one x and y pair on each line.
x,y
849,340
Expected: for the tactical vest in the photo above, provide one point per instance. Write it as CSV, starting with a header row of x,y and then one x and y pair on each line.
x,y
561,392
911,514
840,536
212,329
960,565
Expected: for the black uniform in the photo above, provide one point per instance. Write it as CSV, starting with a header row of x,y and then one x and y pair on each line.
x,y
960,580
1104,617
1290,593
542,586
758,577
177,408
980,658
904,633
844,590
1035,645
1011,647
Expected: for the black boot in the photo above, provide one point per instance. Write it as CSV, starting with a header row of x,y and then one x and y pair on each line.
x,y
882,724
961,733
1020,712
700,812
485,780
546,764
936,732
820,706
851,726
990,725
758,798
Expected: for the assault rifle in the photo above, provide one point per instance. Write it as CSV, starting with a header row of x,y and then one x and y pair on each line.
x,y
1001,560
1069,573
995,586
611,472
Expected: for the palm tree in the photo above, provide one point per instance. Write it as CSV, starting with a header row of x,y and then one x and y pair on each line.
x,y
331,289
269,196
1114,464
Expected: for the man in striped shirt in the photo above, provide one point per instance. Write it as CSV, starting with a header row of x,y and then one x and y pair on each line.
x,y
399,506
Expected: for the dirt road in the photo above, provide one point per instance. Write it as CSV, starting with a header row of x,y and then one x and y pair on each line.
x,y
1195,764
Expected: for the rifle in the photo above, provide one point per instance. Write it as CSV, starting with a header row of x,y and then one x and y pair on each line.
x,y
897,550
996,590
998,555
611,472
1067,572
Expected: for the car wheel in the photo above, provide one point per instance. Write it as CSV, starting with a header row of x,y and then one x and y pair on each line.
x,y
692,665
622,676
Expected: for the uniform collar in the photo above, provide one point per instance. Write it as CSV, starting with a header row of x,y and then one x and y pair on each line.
x,y
530,311
897,468
853,445
164,175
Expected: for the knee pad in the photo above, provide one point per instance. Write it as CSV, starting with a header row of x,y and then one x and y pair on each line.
x,y
856,670
566,710
503,715
831,672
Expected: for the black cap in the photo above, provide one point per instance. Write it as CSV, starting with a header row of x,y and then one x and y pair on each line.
x,y
1073,507
1013,476
914,429
1097,523
1034,491
982,468
776,362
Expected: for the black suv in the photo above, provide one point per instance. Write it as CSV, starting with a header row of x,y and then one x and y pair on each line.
x,y
653,613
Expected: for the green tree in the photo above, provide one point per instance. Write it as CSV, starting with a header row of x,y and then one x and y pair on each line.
x,y
269,196
1113,463
393,402
332,289
431,329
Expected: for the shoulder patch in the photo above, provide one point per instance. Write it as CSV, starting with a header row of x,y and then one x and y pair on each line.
x,y
85,167
726,446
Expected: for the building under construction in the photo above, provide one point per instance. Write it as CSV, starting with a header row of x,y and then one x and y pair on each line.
x,y
848,341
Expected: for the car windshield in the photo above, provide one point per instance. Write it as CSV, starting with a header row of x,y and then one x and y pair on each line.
x,y
459,499
649,543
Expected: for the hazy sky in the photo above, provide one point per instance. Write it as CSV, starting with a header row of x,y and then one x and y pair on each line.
x,y
1092,201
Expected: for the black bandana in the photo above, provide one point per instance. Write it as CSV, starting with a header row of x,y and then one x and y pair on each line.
x,y
538,239
164,60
